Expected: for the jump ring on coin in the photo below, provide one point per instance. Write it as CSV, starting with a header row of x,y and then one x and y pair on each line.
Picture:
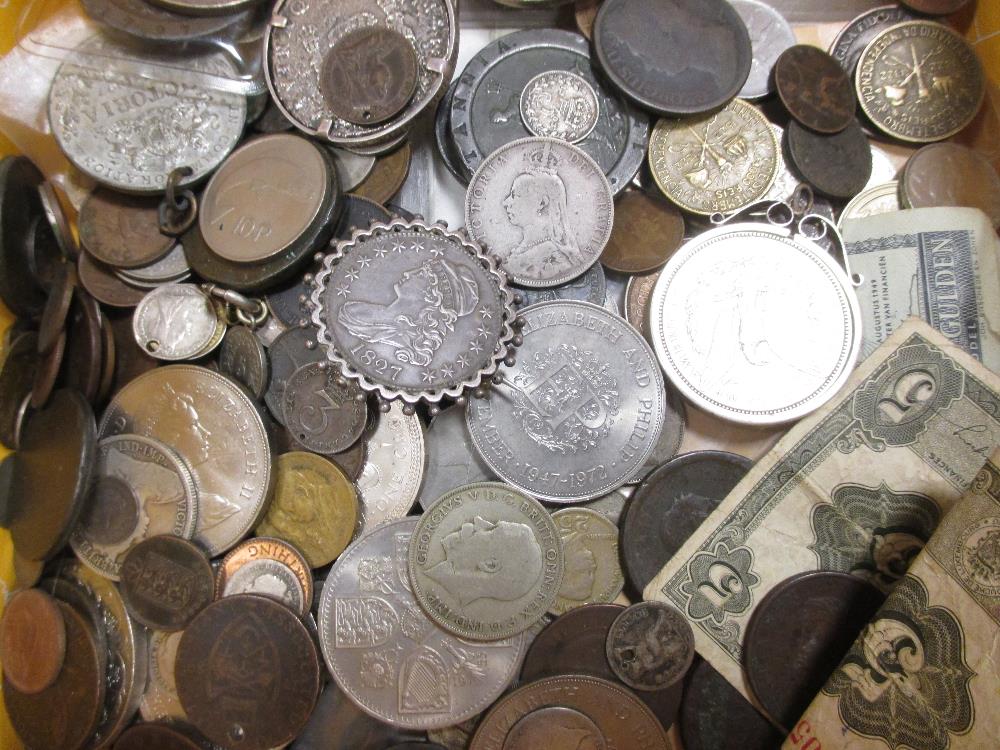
x,y
813,227
802,199
252,319
176,218
173,181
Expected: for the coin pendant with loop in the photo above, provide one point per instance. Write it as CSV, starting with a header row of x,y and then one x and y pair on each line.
x,y
178,321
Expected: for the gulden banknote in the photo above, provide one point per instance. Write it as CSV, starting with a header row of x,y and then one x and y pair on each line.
x,y
925,672
858,486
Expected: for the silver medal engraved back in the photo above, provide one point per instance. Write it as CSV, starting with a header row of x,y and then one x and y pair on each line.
x,y
413,311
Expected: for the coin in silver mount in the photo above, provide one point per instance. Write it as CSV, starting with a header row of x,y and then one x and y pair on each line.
x,y
559,104
177,321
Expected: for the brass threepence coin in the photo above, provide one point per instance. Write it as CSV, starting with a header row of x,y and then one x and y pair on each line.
x,y
267,567
947,174
247,673
920,81
715,163
650,646
837,165
592,572
314,506
646,232
815,89
122,230
32,640
165,582
324,412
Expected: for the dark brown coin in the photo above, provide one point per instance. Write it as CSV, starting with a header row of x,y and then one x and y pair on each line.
x,y
247,673
674,57
6,494
650,646
387,176
646,232
670,504
243,358
323,412
352,461
714,716
947,174
166,581
104,286
288,352
48,372
65,714
84,359
52,474
837,165
554,727
122,230
17,376
32,641
109,361
935,7
272,120
56,310
20,205
369,75
576,643
338,724
131,360
815,89
154,736
797,635
290,302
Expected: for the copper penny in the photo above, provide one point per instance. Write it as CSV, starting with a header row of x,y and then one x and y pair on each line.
x,y
48,372
646,232
935,7
32,641
815,89
947,174
837,165
554,727
166,581
83,361
247,673
56,308
104,286
637,295
122,230
650,646
387,176
156,736
17,375
269,567
369,75
65,714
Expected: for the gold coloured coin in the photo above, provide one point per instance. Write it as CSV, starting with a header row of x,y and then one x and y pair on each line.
x,y
716,163
314,507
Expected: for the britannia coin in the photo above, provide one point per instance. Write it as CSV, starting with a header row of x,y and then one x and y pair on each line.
x,y
389,656
815,89
948,174
579,412
177,321
168,122
218,432
920,81
452,460
719,163
720,325
558,104
485,561
267,567
413,311
650,646
544,207
165,582
770,35
393,469
590,551
323,412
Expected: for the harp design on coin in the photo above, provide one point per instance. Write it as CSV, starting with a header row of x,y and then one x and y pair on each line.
x,y
423,683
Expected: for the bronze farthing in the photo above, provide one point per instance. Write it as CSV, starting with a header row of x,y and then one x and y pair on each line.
x,y
369,75
837,165
32,640
267,567
650,646
247,673
947,174
122,230
387,176
166,581
815,89
646,232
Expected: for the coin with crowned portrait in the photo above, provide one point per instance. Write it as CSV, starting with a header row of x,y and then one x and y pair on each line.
x,y
544,207
485,561
267,567
178,321
559,104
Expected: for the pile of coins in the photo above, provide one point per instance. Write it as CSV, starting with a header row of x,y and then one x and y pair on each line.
x,y
295,465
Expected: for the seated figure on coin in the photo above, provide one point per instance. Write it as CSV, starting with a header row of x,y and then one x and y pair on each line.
x,y
538,206
485,560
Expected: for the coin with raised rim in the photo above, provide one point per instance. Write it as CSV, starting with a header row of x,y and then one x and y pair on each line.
x,y
851,40
165,582
122,230
288,352
393,469
593,573
160,701
323,412
267,567
815,89
880,199
553,726
243,358
178,321
770,35
949,174
32,640
650,646
559,104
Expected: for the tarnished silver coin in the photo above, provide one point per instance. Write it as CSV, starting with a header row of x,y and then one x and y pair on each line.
x,y
394,467
544,207
770,35
650,646
128,117
485,561
323,412
288,352
612,505
878,199
413,311
352,168
559,104
218,432
580,411
452,461
593,573
141,488
590,287
720,325
171,267
387,654
160,701
243,358
177,321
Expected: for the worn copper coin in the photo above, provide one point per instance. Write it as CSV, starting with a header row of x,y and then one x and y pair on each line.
x,y
247,673
353,460
797,635
837,165
17,376
103,285
19,207
242,357
166,581
935,7
815,89
324,412
387,176
6,505
650,646
646,232
83,360
637,294
268,567
623,721
156,736
47,373
32,640
130,360
554,727
714,716
674,57
670,504
122,230
56,309
948,174
52,474
65,714
369,75
288,352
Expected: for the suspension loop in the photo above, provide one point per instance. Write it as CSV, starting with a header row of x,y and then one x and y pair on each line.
x,y
802,199
239,308
179,207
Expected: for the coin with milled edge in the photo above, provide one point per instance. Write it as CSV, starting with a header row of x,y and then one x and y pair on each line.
x,y
122,230
267,567
242,357
451,459
851,41
558,104
949,174
389,656
413,311
920,81
880,199
216,429
393,469
32,641
815,89
770,35
720,325
485,561
323,412
716,163
646,233
650,646
590,551
674,57
579,412
837,165
177,321
544,207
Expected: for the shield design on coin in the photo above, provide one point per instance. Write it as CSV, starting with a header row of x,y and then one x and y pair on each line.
x,y
423,683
